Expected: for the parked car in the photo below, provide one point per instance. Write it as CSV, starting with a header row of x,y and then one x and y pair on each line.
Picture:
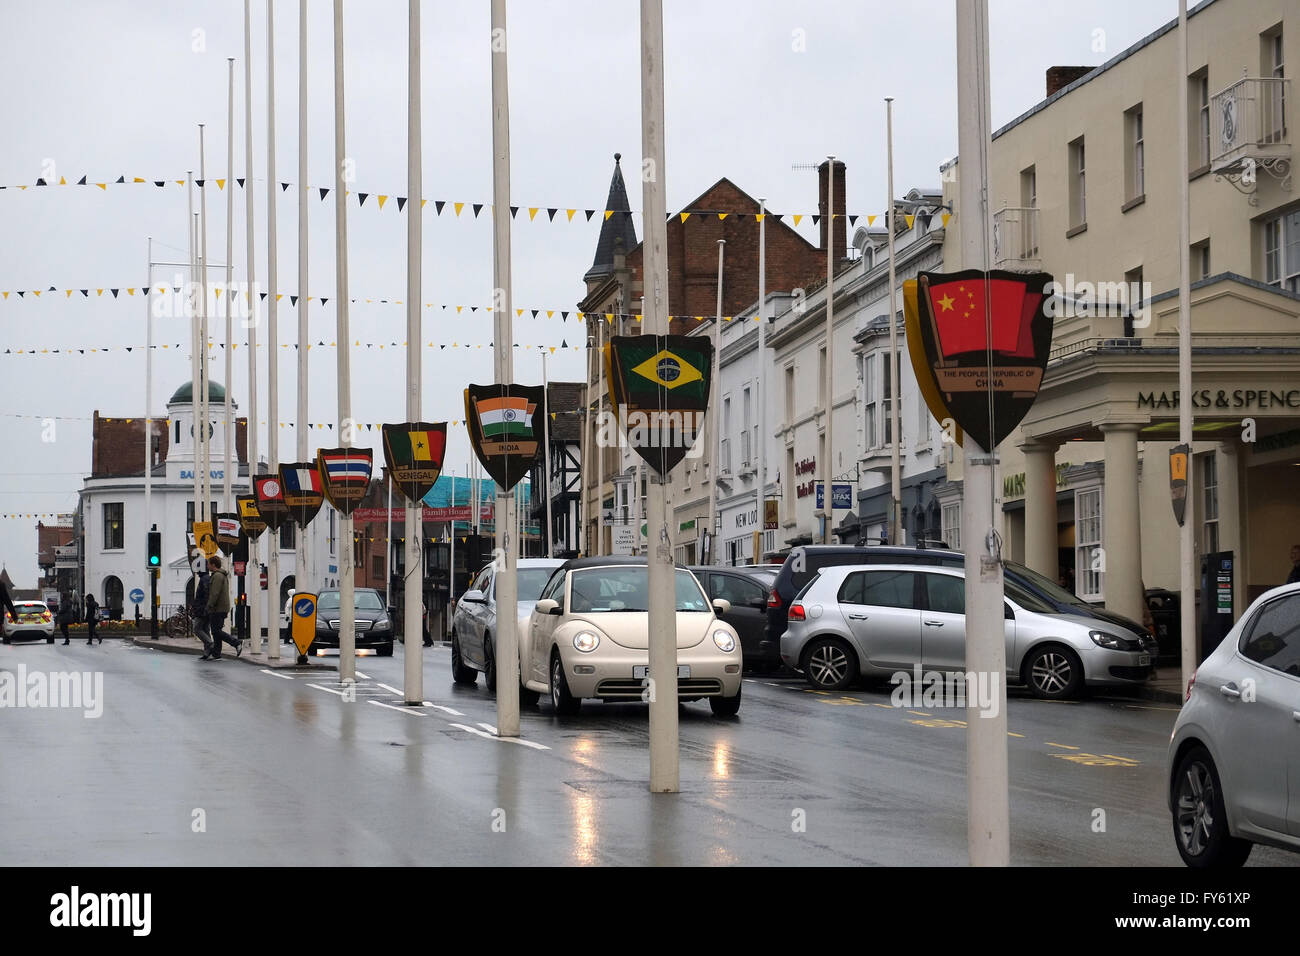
x,y
746,588
374,628
1234,760
475,621
804,562
33,620
875,621
589,637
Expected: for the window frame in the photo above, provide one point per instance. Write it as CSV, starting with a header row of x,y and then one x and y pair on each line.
x,y
120,536
1090,585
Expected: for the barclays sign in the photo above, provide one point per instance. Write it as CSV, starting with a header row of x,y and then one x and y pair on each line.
x,y
189,473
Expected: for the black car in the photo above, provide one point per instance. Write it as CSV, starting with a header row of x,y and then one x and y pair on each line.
x,y
374,627
804,562
746,587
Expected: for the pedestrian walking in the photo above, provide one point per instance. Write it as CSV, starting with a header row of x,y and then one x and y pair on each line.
x,y
424,621
218,608
65,616
1294,576
6,607
199,612
92,618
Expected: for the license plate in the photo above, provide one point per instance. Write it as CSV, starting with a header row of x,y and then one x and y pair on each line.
x,y
642,671
1144,660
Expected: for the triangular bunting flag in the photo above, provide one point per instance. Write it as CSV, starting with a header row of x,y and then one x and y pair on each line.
x,y
853,220
944,219
513,211
909,220
871,220
459,206
590,213
438,204
401,203
550,213
283,187
478,208
81,181
241,183
685,216
797,217
324,191
816,220
569,213
381,200
361,198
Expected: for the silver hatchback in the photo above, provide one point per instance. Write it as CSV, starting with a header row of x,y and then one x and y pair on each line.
x,y
1234,755
876,620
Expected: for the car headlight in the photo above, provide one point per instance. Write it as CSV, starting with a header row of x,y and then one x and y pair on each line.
x,y
1112,641
724,640
586,641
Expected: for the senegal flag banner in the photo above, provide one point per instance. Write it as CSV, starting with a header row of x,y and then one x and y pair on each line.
x,y
413,451
660,388
507,429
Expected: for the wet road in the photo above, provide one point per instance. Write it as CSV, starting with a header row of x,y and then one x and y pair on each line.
x,y
226,764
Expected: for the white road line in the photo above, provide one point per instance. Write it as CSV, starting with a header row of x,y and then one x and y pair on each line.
x,y
328,690
405,710
488,727
445,710
507,740
770,684
267,670
390,688
366,676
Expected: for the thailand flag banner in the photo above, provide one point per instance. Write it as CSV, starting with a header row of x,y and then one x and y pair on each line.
x,y
344,474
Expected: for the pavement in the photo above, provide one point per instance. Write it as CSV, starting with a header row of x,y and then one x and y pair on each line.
x,y
288,659
225,765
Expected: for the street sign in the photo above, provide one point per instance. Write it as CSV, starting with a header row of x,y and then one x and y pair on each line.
x,y
137,596
66,556
841,496
1178,481
262,579
240,568
303,627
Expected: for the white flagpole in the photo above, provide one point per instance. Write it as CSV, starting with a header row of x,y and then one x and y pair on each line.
x,y
347,576
253,591
895,480
272,339
204,356
828,386
413,591
507,530
716,427
229,433
546,485
192,303
303,574
761,490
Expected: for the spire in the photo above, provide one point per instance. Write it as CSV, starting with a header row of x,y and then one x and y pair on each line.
x,y
619,224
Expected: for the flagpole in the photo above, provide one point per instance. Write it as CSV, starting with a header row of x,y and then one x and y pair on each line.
x,y
582,541
761,491
546,485
507,534
828,501
1186,531
600,423
254,544
414,655
192,303
148,440
303,575
204,375
664,768
228,434
895,481
347,577
388,548
272,339
715,429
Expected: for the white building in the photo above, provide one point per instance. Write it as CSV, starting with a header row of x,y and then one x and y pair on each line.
x,y
116,525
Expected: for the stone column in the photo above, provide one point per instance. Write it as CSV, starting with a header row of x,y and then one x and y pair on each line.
x,y
1040,508
1121,522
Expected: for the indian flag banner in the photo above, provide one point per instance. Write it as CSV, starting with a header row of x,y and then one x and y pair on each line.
x,y
508,416
507,429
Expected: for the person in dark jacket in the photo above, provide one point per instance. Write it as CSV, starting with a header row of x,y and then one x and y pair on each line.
x,y
199,613
219,607
6,607
92,618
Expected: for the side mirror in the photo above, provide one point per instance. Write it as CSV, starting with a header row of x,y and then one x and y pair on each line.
x,y
721,606
548,606
759,604
1009,614
474,597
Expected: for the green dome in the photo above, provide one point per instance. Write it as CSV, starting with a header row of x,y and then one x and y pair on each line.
x,y
185,394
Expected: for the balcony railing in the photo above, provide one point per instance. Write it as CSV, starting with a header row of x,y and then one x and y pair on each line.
x,y
1015,238
1249,123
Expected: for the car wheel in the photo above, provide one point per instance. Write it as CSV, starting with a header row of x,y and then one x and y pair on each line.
x,y
461,673
830,664
1053,673
489,665
1200,820
725,706
386,650
566,705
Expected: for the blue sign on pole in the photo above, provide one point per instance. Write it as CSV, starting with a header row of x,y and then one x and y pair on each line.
x,y
137,596
841,496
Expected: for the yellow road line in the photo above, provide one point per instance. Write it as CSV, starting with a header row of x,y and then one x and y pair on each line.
x,y
920,713
1010,734
1064,746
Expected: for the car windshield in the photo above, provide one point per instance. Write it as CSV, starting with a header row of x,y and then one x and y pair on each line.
x,y
1045,586
531,582
1027,599
362,601
597,590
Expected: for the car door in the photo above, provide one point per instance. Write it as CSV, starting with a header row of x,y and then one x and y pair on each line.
x,y
471,647
1257,693
943,622
881,610
542,626
749,620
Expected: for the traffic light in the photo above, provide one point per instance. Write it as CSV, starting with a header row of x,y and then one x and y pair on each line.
x,y
155,549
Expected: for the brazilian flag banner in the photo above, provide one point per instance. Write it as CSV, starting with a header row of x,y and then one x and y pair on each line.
x,y
660,388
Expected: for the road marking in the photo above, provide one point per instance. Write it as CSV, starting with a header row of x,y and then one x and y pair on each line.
x,y
842,702
390,688
267,670
1010,734
445,710
809,690
366,676
1140,707
939,722
920,713
488,727
1062,746
886,706
504,740
405,710
328,690
1098,760
772,684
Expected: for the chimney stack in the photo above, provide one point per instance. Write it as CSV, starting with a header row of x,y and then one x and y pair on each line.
x,y
1059,77
841,221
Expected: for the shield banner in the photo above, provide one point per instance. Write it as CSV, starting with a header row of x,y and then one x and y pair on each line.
x,y
413,452
204,538
345,475
303,494
1178,480
980,335
507,429
660,388
270,500
250,519
227,532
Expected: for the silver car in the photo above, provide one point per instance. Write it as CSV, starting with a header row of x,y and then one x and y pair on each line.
x,y
1234,756
475,621
875,620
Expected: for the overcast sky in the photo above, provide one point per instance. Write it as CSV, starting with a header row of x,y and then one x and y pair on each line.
x,y
118,87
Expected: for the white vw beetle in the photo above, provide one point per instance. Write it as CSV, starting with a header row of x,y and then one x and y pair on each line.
x,y
588,637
